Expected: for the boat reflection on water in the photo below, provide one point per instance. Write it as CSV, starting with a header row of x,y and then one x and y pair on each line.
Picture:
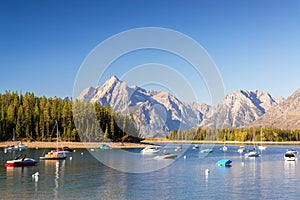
x,y
15,173
56,167
290,169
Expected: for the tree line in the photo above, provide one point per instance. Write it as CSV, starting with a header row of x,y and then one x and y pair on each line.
x,y
31,118
237,134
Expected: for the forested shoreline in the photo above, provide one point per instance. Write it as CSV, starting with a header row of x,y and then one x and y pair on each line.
x,y
237,134
30,118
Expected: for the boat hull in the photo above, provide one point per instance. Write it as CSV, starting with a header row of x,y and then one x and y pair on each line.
x,y
20,163
54,158
206,151
252,155
166,156
224,163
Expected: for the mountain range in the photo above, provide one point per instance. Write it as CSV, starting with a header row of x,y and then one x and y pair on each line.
x,y
157,112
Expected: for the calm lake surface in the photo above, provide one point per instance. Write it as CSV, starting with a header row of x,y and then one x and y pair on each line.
x,y
84,177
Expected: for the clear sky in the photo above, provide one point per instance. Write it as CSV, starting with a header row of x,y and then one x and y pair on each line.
x,y
255,44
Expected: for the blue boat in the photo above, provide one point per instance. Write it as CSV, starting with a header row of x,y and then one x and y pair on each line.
x,y
224,162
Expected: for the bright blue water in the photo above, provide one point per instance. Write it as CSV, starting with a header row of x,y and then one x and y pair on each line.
x,y
84,177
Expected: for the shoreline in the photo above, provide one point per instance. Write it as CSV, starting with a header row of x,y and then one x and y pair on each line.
x,y
147,142
153,141
74,145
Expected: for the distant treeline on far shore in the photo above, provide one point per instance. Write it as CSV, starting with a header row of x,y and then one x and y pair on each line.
x,y
237,134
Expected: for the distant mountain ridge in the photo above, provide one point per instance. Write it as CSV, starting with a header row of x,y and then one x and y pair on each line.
x,y
285,115
239,109
157,112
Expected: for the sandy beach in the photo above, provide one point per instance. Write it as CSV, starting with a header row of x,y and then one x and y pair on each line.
x,y
147,142
74,145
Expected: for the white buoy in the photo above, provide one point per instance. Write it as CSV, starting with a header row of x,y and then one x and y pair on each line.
x,y
243,163
184,157
74,150
81,153
5,150
207,171
36,148
36,176
71,158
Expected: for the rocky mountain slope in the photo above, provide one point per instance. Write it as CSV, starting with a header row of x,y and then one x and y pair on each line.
x,y
154,112
157,112
239,109
285,115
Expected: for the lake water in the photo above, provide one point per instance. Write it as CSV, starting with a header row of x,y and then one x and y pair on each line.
x,y
84,177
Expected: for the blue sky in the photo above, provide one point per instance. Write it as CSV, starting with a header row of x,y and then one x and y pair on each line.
x,y
255,44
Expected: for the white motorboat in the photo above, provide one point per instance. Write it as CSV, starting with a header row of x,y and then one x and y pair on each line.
x,y
21,162
262,147
252,154
289,156
150,150
11,148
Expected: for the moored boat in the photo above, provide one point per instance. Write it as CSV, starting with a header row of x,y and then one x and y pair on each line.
x,y
11,148
21,162
104,147
61,151
242,149
262,147
224,162
252,153
166,156
290,156
292,150
178,148
55,154
206,151
150,150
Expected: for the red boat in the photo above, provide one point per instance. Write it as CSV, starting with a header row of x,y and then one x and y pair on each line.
x,y
21,162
